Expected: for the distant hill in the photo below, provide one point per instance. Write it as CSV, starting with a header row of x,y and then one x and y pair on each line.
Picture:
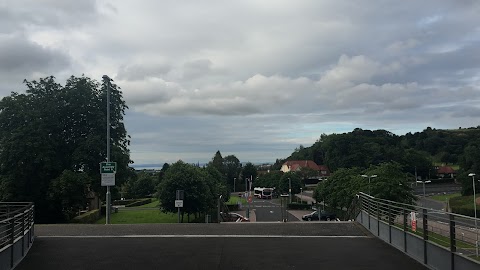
x,y
361,148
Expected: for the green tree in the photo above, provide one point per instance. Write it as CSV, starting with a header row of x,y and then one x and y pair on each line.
x,y
52,128
249,171
270,179
287,178
142,185
217,162
68,194
233,167
390,184
216,183
190,179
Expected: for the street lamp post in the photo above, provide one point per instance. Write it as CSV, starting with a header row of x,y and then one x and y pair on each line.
x,y
475,210
301,195
290,189
369,178
424,182
108,195
234,180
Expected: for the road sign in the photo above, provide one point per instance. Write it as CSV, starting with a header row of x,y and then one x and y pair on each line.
x,y
108,167
178,203
108,179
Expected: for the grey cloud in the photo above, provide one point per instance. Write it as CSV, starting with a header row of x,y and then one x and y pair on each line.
x,y
139,72
24,13
17,54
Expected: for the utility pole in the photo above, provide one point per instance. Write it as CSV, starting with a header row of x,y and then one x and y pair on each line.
x,y
108,196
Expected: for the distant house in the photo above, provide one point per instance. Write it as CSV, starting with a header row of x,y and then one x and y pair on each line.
x,y
446,172
296,165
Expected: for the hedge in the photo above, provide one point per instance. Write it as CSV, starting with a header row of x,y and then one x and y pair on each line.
x,y
88,217
139,202
463,205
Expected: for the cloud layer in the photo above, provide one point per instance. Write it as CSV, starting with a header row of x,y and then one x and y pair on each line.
x,y
255,78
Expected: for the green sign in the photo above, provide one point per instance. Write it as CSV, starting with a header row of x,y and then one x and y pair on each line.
x,y
108,167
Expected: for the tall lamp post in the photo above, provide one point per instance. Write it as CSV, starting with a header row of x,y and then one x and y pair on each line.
x,y
424,182
475,210
290,189
107,209
369,178
234,180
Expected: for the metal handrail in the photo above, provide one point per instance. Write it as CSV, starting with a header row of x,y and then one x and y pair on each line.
x,y
451,231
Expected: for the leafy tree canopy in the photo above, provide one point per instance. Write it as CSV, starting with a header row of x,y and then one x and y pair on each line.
x,y
52,128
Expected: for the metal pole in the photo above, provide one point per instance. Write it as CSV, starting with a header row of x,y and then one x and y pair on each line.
x,y
369,192
107,210
424,189
475,210
301,195
290,189
234,180
178,214
218,210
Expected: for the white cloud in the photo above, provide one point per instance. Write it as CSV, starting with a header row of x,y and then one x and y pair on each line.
x,y
248,75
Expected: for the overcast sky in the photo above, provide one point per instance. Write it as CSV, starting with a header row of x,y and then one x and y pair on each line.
x,y
255,78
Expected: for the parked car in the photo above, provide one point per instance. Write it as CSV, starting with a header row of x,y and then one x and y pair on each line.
x,y
323,216
233,217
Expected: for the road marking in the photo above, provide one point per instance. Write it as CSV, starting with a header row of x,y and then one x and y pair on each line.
x,y
205,236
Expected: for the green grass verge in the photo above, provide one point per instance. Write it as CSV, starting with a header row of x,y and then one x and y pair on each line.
x,y
154,204
140,216
236,199
444,197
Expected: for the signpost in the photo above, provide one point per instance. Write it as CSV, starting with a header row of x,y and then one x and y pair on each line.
x,y
108,170
179,201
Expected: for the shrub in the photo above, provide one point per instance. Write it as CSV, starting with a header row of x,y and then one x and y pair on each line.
x,y
463,205
139,202
88,217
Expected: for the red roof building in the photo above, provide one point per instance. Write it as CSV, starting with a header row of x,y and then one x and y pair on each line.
x,y
446,171
296,165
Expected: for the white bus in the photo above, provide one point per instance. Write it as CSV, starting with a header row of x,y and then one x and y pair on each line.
x,y
263,193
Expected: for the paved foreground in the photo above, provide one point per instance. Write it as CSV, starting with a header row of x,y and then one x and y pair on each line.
x,y
212,246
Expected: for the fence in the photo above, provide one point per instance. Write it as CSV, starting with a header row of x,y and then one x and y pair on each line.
x,y
438,239
16,232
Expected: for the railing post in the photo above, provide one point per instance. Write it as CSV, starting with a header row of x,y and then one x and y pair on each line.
x,y
405,228
23,231
368,211
453,244
12,240
389,225
425,235
361,209
378,218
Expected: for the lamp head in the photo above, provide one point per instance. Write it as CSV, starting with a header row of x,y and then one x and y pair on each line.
x,y
471,174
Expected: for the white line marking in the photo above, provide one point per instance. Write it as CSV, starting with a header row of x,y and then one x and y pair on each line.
x,y
204,236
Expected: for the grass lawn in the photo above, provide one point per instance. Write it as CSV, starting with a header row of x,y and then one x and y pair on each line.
x,y
235,199
444,197
154,204
140,216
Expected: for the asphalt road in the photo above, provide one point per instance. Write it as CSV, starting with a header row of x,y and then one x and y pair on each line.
x,y
269,210
221,246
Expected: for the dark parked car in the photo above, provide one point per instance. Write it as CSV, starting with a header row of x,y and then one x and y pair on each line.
x,y
323,216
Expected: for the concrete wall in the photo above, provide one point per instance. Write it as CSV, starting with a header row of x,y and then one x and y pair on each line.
x,y
437,257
